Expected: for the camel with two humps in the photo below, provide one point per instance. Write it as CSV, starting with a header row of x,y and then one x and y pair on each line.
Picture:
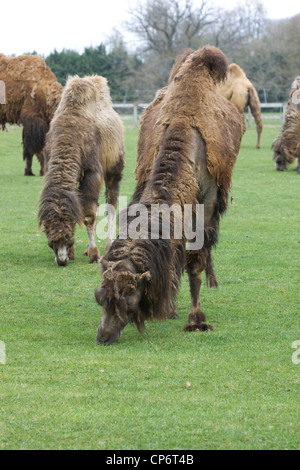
x,y
189,141
84,147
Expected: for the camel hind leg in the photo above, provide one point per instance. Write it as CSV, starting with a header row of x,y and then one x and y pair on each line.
x,y
195,265
200,260
28,156
89,190
40,157
34,132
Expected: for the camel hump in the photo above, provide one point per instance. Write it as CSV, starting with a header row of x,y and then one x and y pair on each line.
x,y
79,91
214,60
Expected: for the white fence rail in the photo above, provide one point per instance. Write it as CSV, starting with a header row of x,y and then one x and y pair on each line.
x,y
132,111
280,106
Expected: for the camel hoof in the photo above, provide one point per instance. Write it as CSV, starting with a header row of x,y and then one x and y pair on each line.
x,y
28,173
94,255
200,327
172,315
71,253
196,321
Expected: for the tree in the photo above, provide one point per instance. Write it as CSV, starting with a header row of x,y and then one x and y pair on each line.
x,y
117,66
124,69
64,63
273,61
168,26
165,28
235,29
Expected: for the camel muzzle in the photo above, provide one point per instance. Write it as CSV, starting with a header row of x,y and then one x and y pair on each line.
x,y
109,337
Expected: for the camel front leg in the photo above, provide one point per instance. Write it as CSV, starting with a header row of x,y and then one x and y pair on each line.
x,y
112,180
27,156
110,227
196,318
89,192
92,250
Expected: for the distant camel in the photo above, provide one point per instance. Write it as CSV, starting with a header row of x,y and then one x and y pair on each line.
x,y
238,89
84,146
286,146
32,96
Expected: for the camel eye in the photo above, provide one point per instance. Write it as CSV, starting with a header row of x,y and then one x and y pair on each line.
x,y
130,300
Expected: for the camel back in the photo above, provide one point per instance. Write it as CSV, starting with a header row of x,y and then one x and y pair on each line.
x,y
31,87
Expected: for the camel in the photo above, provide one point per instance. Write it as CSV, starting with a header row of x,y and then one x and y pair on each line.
x,y
84,146
286,146
32,96
240,91
188,144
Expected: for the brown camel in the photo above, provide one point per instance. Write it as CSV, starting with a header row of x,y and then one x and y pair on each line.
x,y
240,91
32,96
286,146
189,140
84,145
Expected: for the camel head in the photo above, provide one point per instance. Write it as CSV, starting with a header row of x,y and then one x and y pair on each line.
x,y
61,241
120,296
281,154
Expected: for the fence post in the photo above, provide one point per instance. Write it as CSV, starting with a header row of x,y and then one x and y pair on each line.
x,y
2,92
135,115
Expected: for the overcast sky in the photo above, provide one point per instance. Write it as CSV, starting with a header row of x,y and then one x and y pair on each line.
x,y
28,25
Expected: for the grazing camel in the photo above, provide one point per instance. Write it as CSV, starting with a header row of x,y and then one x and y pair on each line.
x,y
32,96
189,140
84,145
240,91
286,146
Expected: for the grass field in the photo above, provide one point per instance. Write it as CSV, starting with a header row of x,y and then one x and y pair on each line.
x,y
233,388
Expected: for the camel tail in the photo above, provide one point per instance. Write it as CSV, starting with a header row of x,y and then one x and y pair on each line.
x,y
255,108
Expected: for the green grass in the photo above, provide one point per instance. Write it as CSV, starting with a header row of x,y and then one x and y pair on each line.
x,y
234,388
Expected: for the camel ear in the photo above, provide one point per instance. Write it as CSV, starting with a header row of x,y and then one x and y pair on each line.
x,y
277,144
146,276
104,263
99,295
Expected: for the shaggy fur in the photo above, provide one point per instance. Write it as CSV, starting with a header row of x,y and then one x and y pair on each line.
x,y
189,140
32,95
84,145
286,146
241,92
